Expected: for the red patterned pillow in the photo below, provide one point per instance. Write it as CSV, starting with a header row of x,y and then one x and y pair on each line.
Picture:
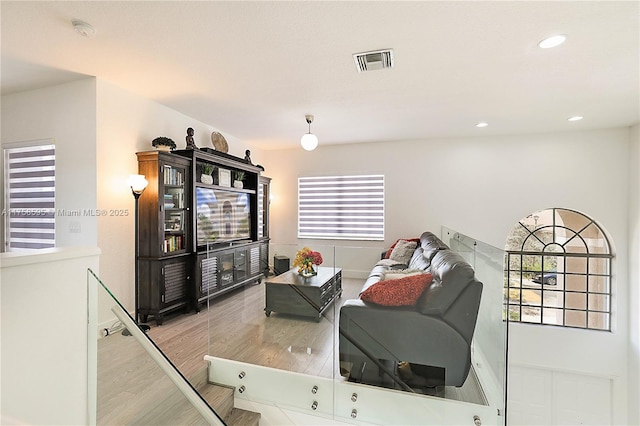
x,y
386,256
398,292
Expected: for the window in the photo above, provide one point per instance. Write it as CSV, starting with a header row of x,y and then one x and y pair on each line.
x,y
559,271
29,195
341,207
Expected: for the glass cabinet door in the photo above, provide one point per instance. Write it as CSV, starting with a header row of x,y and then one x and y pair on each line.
x,y
225,269
174,207
240,264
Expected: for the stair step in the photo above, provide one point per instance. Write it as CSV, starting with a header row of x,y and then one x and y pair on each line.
x,y
200,378
220,398
239,417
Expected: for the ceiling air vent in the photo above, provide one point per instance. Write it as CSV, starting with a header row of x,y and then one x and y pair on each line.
x,y
374,60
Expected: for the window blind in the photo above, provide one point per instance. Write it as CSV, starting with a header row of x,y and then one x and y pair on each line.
x,y
341,207
30,197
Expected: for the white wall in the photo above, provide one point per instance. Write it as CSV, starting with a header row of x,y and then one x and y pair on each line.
x,y
45,344
126,124
479,186
482,187
67,114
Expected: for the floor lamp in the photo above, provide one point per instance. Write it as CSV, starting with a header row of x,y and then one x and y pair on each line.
x,y
137,183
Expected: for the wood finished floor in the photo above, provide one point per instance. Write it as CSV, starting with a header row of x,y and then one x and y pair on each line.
x,y
235,327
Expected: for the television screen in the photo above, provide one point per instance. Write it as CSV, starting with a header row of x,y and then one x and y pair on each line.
x,y
221,216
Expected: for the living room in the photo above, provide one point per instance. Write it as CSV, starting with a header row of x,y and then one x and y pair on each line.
x,y
478,184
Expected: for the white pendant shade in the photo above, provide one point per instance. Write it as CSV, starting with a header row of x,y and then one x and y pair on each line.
x,y
309,141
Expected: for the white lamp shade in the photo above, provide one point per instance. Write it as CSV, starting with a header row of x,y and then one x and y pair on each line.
x,y
309,141
138,183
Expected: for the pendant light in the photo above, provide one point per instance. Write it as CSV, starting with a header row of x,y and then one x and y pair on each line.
x,y
309,141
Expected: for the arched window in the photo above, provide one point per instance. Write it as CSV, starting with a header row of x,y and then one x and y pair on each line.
x,y
559,271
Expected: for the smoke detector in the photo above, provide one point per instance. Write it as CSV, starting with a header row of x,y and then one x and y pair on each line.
x,y
374,60
83,28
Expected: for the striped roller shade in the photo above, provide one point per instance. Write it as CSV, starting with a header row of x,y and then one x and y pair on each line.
x,y
341,207
30,197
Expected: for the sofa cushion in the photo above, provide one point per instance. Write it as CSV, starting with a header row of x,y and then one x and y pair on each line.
x,y
418,261
451,274
403,291
417,240
403,251
431,245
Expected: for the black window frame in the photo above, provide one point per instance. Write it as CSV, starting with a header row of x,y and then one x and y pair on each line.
x,y
575,250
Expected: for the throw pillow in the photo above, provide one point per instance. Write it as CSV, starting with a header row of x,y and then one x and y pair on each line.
x,y
394,274
398,292
389,262
403,251
417,240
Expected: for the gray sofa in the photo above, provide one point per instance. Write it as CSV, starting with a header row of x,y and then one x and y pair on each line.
x,y
433,337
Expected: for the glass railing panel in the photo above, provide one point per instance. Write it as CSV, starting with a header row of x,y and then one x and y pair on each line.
x,y
284,320
249,343
135,383
491,334
400,342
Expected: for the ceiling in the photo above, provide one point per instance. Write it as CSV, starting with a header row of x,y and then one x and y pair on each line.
x,y
254,69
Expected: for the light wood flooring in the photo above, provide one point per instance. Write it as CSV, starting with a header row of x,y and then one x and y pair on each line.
x,y
234,327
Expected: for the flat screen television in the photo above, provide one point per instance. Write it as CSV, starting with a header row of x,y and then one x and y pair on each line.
x,y
222,216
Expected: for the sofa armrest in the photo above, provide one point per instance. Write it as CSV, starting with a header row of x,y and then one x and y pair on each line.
x,y
402,334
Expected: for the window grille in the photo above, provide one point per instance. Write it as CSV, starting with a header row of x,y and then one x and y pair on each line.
x,y
559,271
341,207
29,196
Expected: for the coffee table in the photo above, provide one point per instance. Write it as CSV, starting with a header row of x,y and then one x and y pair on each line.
x,y
290,293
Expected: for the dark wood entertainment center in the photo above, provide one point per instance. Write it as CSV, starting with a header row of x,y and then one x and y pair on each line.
x,y
198,240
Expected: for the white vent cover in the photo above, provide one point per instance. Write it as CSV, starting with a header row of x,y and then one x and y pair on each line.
x,y
374,60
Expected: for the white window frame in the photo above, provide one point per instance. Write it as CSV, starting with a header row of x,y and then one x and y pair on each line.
x,y
341,207
29,208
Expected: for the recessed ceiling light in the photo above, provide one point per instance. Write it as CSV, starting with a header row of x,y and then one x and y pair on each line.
x,y
482,124
552,41
575,118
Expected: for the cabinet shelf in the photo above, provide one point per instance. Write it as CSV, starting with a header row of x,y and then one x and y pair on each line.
x,y
177,213
165,266
226,188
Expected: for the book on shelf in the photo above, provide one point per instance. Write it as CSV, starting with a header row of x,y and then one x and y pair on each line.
x,y
168,201
174,199
173,243
173,176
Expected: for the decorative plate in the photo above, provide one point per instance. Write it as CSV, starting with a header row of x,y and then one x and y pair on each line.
x,y
219,142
